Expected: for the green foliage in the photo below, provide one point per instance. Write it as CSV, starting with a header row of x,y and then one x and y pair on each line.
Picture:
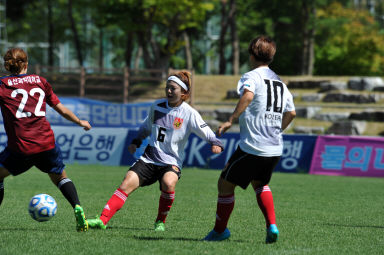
x,y
348,42
315,215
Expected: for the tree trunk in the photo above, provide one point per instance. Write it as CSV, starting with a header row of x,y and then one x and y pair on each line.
x,y
138,56
188,53
223,31
75,34
144,45
309,15
50,34
101,48
234,41
129,49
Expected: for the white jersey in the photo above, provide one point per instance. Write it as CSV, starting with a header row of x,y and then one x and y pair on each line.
x,y
260,123
168,129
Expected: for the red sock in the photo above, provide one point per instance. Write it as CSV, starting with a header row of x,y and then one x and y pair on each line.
x,y
225,206
265,201
113,205
165,204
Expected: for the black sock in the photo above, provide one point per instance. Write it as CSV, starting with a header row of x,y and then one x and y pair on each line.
x,y
68,189
1,191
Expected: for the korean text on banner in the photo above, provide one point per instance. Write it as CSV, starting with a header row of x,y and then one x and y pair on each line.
x,y
101,114
349,156
296,156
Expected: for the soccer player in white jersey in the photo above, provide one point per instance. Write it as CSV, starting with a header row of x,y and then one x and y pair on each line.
x,y
168,126
264,110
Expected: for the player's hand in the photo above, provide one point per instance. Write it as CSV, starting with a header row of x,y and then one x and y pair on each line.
x,y
216,149
132,148
85,124
223,128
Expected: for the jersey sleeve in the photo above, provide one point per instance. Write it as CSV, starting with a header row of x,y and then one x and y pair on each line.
x,y
247,82
50,96
200,128
145,128
289,105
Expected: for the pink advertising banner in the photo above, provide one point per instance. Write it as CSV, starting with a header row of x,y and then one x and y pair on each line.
x,y
348,156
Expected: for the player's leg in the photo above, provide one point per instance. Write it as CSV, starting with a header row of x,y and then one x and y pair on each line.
x,y
66,186
3,173
167,196
234,174
130,183
51,162
224,208
68,189
11,163
265,201
264,196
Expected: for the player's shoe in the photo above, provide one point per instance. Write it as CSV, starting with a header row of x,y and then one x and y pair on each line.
x,y
272,234
159,226
96,223
81,221
214,236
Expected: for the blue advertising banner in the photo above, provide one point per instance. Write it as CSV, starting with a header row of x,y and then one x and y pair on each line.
x,y
98,146
297,153
100,114
115,125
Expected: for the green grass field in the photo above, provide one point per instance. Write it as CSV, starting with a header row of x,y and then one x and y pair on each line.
x,y
315,215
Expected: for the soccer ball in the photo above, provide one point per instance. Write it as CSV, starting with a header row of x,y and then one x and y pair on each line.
x,y
42,207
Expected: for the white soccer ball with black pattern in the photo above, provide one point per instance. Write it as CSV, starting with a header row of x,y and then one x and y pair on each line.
x,y
42,207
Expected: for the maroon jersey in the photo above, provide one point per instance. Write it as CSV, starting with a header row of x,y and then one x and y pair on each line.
x,y
23,101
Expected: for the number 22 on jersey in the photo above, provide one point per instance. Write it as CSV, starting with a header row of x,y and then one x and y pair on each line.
x,y
24,101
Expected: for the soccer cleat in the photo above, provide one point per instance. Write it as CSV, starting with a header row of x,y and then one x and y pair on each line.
x,y
96,223
159,226
81,221
272,234
214,236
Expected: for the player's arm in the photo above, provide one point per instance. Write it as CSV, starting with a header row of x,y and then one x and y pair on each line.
x,y
289,114
69,115
144,131
287,118
200,128
243,103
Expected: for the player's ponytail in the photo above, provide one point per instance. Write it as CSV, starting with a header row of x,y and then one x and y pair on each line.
x,y
15,60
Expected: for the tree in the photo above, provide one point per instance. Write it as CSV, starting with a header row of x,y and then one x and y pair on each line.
x,y
228,21
75,33
348,42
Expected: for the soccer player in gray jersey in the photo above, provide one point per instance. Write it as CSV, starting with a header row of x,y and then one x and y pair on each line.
x,y
169,123
264,110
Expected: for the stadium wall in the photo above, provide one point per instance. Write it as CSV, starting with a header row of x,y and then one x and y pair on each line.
x,y
115,125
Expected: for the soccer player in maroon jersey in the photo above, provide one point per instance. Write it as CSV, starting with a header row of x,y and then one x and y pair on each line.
x,y
31,141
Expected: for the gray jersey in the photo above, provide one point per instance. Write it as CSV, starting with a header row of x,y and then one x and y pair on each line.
x,y
260,123
168,129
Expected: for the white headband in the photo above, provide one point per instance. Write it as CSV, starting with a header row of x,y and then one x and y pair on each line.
x,y
178,81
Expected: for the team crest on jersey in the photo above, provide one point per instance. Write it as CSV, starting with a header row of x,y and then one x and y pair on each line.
x,y
177,123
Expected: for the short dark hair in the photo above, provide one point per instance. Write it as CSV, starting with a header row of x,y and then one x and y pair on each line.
x,y
263,48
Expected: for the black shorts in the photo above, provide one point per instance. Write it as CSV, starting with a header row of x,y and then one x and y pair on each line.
x,y
50,161
242,168
150,173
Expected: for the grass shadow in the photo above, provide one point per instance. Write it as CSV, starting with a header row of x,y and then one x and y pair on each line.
x,y
128,228
352,226
161,238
